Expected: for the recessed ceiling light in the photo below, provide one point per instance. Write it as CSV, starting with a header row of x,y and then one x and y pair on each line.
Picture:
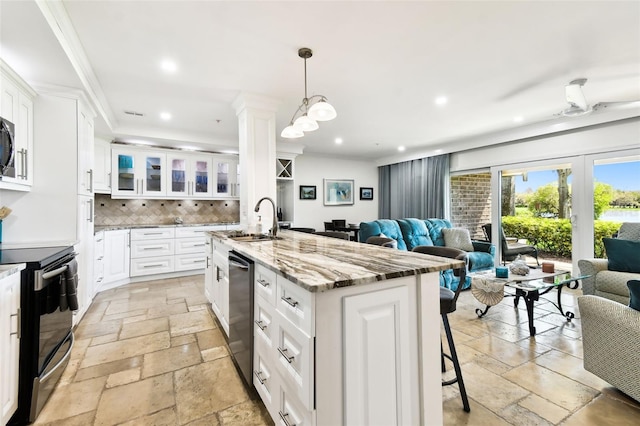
x,y
338,141
401,148
518,119
441,100
168,65
165,116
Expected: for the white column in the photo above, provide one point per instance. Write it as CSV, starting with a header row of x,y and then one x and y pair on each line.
x,y
257,149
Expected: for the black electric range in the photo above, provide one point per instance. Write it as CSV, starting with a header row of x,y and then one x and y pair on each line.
x,y
46,336
34,257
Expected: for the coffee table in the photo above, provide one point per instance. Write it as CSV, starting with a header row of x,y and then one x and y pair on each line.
x,y
528,287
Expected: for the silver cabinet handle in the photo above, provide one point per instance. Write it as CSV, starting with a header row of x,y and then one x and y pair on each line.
x,y
197,261
258,375
284,416
153,248
155,265
198,245
260,325
263,283
283,352
18,328
207,264
217,273
290,301
90,186
26,163
109,180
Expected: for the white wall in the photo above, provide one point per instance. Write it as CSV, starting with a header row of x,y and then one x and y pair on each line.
x,y
619,135
312,169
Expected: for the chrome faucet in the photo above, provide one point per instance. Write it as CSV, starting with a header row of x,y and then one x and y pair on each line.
x,y
274,229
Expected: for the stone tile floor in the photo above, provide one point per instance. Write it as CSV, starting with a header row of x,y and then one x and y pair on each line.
x,y
152,354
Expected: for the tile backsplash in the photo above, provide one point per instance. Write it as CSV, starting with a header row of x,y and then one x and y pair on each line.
x,y
109,212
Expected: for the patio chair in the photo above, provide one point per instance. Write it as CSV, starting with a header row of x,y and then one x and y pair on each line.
x,y
511,250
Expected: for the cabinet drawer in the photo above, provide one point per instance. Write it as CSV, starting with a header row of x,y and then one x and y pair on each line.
x,y
188,262
190,231
265,379
190,245
151,265
152,248
265,284
152,233
296,304
264,326
294,359
290,410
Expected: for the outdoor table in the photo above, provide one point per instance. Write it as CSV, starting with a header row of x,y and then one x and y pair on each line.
x,y
489,290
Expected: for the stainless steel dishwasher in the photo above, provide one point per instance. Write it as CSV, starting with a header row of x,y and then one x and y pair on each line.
x,y
240,338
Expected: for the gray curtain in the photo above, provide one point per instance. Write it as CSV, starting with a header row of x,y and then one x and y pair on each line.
x,y
416,188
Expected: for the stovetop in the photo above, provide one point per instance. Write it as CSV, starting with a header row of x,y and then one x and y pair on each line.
x,y
34,257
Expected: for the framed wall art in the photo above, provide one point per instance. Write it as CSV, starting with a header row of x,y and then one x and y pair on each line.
x,y
307,192
366,193
338,192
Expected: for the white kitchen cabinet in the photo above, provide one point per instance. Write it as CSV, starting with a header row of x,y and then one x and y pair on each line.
x,y
101,166
9,343
376,329
137,173
98,259
227,171
190,176
85,150
85,256
152,251
17,107
116,256
217,281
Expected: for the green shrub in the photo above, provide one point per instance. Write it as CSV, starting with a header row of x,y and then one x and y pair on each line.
x,y
554,235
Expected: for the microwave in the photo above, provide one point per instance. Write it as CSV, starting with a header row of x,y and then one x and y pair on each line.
x,y
7,148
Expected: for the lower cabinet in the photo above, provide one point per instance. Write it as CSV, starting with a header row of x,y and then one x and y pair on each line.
x,y
343,356
217,280
9,344
116,256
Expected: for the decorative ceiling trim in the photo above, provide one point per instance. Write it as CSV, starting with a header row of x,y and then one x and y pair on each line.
x,y
56,16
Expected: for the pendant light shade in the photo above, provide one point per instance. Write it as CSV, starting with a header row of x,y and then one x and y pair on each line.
x,y
305,124
311,110
322,111
291,132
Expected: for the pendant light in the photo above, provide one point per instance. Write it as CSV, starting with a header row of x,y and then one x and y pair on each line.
x,y
311,110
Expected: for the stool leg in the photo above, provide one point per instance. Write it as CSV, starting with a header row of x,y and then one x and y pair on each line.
x,y
444,367
456,363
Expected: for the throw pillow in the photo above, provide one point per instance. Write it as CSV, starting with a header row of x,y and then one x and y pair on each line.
x,y
623,255
634,294
457,238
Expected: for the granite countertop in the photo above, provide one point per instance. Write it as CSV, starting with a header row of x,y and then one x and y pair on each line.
x,y
99,228
319,263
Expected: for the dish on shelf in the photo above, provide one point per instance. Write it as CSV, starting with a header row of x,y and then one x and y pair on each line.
x,y
154,177
155,166
126,175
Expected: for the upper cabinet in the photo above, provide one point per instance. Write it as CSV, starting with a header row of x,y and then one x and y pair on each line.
x,y
17,107
227,170
190,175
102,166
85,150
170,174
138,173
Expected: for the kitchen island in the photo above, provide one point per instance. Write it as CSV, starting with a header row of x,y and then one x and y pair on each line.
x,y
344,332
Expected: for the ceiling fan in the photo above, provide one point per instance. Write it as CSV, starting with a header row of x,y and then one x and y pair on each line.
x,y
578,105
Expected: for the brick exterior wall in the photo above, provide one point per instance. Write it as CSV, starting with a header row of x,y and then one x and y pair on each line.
x,y
471,202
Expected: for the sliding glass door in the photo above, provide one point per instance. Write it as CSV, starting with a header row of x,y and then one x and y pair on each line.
x,y
564,207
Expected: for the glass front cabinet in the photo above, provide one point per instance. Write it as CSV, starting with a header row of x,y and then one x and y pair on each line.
x,y
190,176
138,173
227,172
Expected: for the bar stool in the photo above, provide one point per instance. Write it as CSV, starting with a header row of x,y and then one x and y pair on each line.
x,y
448,300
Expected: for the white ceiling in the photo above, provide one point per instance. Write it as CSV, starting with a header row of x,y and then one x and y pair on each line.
x,y
381,64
